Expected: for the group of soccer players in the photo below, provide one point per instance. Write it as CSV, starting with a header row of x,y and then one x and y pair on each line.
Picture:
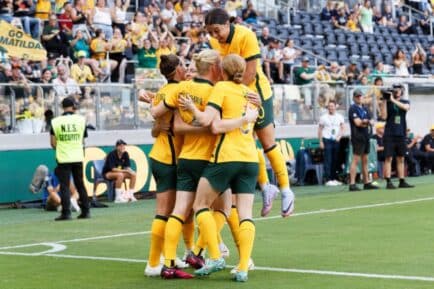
x,y
204,158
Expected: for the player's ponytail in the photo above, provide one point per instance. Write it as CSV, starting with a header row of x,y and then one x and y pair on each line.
x,y
168,64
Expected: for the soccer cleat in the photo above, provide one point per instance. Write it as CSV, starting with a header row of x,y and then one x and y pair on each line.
x,y
288,203
84,215
174,273
250,268
153,271
390,186
268,195
404,184
211,266
63,218
194,261
369,186
354,188
240,276
75,206
224,250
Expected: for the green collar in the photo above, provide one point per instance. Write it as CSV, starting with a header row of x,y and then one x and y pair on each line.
x,y
202,80
173,81
231,33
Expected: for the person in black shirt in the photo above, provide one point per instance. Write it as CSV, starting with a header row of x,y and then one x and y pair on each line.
x,y
427,146
117,167
414,156
394,111
360,120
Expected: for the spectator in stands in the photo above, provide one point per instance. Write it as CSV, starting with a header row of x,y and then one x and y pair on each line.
x,y
377,16
336,72
55,40
366,17
81,43
378,70
326,12
340,21
414,158
200,45
430,57
401,63
418,58
394,111
101,18
330,131
168,15
80,72
64,85
272,61
118,47
405,27
304,74
425,22
249,14
265,36
117,167
119,14
7,10
352,73
139,29
233,6
99,48
360,120
25,10
166,45
80,18
146,55
378,136
427,146
43,9
46,78
353,22
289,54
21,85
65,20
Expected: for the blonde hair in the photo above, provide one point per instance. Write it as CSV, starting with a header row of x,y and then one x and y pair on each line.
x,y
205,59
234,66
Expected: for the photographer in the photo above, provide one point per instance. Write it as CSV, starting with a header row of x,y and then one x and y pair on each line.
x,y
360,120
394,110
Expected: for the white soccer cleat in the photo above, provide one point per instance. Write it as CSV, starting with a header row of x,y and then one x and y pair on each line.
x,y
224,250
180,263
153,271
250,268
288,203
75,206
269,193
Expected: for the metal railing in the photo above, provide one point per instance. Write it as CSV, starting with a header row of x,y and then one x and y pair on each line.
x,y
412,10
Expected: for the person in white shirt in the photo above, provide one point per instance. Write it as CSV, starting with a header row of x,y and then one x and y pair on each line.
x,y
330,131
64,85
168,15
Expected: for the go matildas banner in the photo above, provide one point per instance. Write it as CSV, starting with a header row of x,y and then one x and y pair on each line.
x,y
19,44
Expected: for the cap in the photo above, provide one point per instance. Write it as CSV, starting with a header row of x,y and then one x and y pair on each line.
x,y
81,53
69,102
357,92
120,142
305,58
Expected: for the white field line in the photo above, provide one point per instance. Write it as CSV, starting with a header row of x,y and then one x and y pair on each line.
x,y
271,269
322,211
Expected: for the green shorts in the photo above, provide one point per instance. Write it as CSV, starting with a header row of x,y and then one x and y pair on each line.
x,y
239,176
266,114
189,173
164,175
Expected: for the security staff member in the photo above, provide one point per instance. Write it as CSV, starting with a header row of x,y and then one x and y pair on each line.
x,y
67,134
394,110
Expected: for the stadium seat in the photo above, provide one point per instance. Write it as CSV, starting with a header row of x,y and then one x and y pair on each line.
x,y
98,178
304,165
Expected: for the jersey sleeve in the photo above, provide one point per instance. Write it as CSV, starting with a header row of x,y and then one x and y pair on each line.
x,y
215,100
171,99
250,49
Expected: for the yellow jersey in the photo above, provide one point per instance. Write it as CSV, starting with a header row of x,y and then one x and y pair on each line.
x,y
196,146
243,41
237,145
167,146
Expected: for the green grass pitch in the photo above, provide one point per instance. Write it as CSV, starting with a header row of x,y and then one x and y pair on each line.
x,y
335,240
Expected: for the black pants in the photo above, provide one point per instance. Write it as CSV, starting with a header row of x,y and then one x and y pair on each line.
x,y
63,173
331,151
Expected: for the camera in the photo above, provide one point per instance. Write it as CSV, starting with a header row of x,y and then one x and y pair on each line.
x,y
386,93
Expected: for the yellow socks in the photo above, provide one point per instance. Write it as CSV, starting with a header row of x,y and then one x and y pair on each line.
x,y
171,238
157,240
262,175
247,237
188,233
279,167
234,225
208,230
